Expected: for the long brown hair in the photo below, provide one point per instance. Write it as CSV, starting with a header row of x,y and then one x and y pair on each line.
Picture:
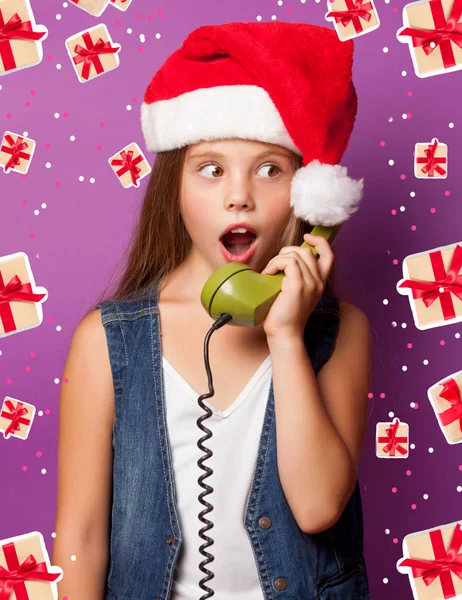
x,y
160,242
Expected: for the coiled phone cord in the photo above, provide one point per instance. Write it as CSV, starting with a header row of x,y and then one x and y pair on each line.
x,y
222,320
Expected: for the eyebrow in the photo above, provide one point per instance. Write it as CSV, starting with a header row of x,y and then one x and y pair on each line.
x,y
219,155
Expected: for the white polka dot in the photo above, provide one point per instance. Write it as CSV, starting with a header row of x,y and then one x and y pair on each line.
x,y
387,531
128,107
431,450
58,327
142,38
58,66
432,45
457,335
25,133
73,557
404,73
72,138
92,180
459,488
385,49
280,2
157,36
56,115
402,208
391,414
36,212
56,380
81,178
394,324
53,535
1,87
43,205
404,368
404,325
412,446
425,361
385,580
40,413
425,496
404,116
259,18
129,30
412,404
385,301
64,4
390,119
412,194
451,125
48,165
391,162
58,17
43,471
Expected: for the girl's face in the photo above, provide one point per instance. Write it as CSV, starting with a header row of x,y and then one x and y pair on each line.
x,y
230,181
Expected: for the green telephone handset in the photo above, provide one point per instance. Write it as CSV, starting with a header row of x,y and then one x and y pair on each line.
x,y
245,294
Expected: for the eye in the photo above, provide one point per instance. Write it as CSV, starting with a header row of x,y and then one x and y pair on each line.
x,y
214,171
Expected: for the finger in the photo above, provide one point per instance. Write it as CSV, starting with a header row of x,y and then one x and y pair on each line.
x,y
324,250
310,264
281,262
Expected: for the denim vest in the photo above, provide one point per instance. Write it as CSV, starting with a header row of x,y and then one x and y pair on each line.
x,y
146,537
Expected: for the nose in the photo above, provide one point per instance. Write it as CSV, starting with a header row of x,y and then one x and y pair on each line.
x,y
239,197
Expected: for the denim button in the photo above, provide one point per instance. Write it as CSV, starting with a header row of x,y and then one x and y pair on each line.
x,y
280,583
170,541
264,522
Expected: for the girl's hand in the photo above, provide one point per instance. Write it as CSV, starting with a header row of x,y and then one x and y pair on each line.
x,y
303,284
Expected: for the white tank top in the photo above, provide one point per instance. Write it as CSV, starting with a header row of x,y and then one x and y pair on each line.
x,y
236,436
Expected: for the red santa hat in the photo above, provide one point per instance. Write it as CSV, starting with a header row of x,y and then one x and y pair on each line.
x,y
280,83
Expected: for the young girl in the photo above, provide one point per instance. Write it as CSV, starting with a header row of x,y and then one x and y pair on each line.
x,y
249,122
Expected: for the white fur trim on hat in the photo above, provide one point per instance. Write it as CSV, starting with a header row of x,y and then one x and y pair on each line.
x,y
323,194
225,111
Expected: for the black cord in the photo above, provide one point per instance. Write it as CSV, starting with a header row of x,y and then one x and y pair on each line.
x,y
222,320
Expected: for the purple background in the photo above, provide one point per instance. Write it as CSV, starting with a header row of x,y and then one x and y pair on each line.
x,y
75,231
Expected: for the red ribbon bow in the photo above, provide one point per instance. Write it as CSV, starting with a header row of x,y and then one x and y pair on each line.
x,y
16,417
90,54
451,393
392,440
129,164
444,283
17,574
14,290
356,10
14,29
444,562
431,162
444,33
16,151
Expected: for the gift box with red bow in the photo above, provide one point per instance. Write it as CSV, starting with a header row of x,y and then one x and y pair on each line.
x,y
431,160
20,38
433,30
433,560
94,7
446,400
16,152
121,4
352,18
25,569
20,299
16,418
92,52
130,165
433,282
392,439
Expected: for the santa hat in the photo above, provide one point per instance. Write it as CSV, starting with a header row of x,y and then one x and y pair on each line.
x,y
280,83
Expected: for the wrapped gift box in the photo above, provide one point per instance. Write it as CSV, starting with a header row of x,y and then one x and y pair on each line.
x,y
352,18
92,52
392,439
433,41
445,398
94,7
431,160
23,307
16,418
130,165
433,281
121,4
20,38
16,152
428,556
27,554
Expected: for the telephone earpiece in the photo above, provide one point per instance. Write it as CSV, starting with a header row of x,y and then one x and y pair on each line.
x,y
245,294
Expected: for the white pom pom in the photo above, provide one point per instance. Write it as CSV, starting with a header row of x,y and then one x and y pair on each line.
x,y
323,194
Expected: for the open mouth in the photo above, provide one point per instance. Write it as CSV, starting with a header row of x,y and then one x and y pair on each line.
x,y
238,246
